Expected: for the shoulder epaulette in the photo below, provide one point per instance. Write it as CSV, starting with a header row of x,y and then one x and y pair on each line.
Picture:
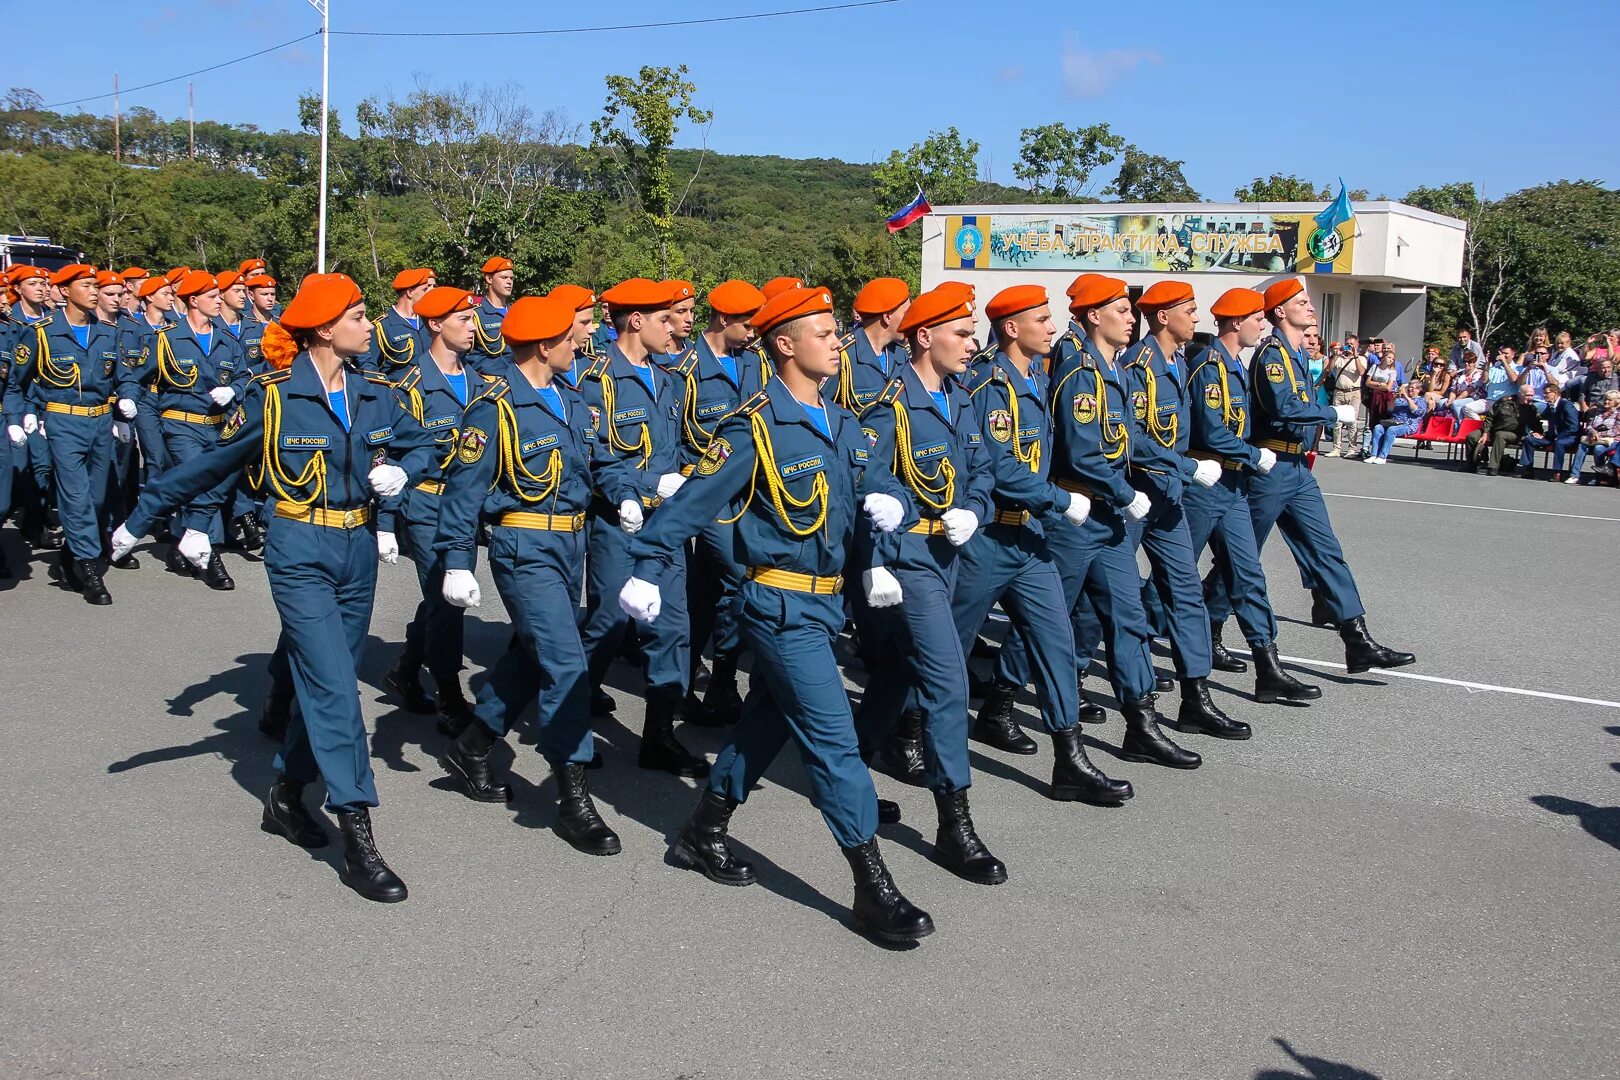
x,y
891,391
487,377
683,364
379,379
846,341
598,368
411,378
752,405
984,355
279,375
495,389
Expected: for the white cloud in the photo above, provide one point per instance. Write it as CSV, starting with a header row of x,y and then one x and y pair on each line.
x,y
1089,73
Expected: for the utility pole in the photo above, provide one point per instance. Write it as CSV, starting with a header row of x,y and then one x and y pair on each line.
x,y
324,8
191,137
118,145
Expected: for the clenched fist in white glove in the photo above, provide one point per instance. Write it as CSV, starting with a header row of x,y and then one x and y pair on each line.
x,y
461,588
1138,508
387,480
882,587
30,423
884,510
17,435
123,542
1347,413
126,408
1267,462
641,600
195,548
388,548
1079,508
669,484
630,518
960,525
1207,472
221,395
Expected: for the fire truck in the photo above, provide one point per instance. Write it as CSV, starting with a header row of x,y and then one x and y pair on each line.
x,y
35,251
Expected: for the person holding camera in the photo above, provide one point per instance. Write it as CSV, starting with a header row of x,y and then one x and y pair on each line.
x,y
1405,417
1341,378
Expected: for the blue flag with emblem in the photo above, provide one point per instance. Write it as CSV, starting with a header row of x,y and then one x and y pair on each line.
x,y
1334,227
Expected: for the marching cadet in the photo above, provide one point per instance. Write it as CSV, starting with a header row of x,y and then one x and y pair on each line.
x,y
197,371
399,336
440,386
63,368
245,527
871,354
31,456
522,463
682,315
490,351
789,466
583,303
177,312
321,439
929,481
139,357
1014,559
720,372
1287,421
123,482
261,290
636,409
132,276
1219,432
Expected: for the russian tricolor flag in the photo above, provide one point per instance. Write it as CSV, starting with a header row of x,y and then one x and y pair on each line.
x,y
911,212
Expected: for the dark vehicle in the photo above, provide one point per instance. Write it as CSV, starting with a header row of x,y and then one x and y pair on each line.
x,y
35,251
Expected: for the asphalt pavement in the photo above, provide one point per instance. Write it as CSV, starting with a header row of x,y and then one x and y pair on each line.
x,y
1410,878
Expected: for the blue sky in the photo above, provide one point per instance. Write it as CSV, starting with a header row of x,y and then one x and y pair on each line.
x,y
1506,94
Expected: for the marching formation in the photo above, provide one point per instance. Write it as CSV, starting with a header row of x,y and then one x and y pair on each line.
x,y
756,486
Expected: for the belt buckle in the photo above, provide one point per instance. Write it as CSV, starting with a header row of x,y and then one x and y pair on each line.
x,y
351,519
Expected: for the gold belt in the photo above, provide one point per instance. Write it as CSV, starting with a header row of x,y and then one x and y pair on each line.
x,y
192,417
1283,446
523,519
1204,455
1073,486
928,527
686,470
651,501
1012,517
332,519
432,487
77,410
793,581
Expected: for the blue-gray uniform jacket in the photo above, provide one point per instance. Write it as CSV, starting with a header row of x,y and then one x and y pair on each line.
x,y
1011,411
1159,408
439,411
712,393
395,342
1219,406
248,335
182,373
1286,419
863,372
1091,422
50,367
931,462
638,433
490,351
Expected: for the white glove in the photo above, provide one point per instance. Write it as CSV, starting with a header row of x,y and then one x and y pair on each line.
x,y
460,588
884,510
630,519
121,431
17,435
41,430
882,587
1347,413
387,480
1138,508
126,408
1268,461
388,549
30,423
196,549
641,600
960,525
221,395
123,542
1079,508
1207,472
669,484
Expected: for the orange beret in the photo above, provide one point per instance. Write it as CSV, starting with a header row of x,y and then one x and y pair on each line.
x,y
320,300
1163,294
959,288
793,304
442,300
537,318
779,285
150,286
261,281
935,307
1283,291
410,279
495,264
735,297
195,283
1011,301
73,272
108,278
577,297
1094,290
1237,304
19,274
250,266
173,276
881,296
680,290
228,278
639,294
134,273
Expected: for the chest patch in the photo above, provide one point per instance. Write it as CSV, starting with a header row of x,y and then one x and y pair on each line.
x,y
811,464
1212,396
1000,423
440,421
306,442
1139,404
626,416
471,447
713,410
1085,408
538,444
932,450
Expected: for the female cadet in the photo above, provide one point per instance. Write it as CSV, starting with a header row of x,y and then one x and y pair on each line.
x,y
319,439
522,463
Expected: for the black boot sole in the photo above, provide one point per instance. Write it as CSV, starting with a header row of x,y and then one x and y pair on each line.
x,y
1231,667
1074,794
275,828
999,877
690,859
1358,669
1093,714
1192,727
1275,698
868,930
579,845
1026,748
500,793
391,896
1147,759
674,768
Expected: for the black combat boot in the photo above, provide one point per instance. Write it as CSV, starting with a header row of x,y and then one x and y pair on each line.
x,y
90,582
455,711
958,848
888,812
286,816
995,726
405,680
214,575
1076,779
276,713
577,819
363,868
902,756
5,566
1090,711
1321,613
702,844
880,910
467,760
1362,653
1144,741
659,748
252,531
128,562
176,563
602,703
1273,684
1163,683
1219,658
1200,714
66,571
722,704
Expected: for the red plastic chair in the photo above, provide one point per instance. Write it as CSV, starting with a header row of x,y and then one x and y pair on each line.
x,y
1436,428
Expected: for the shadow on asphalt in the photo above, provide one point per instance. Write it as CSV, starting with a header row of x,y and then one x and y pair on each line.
x,y
1314,1068
1601,822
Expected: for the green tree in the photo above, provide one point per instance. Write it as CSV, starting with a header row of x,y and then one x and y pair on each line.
x,y
944,165
1562,243
1147,177
1059,161
1279,187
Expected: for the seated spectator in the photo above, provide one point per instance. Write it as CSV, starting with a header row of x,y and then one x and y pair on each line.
x,y
1509,420
1599,436
1566,364
1466,394
1560,431
1533,374
1380,386
1599,380
1467,352
1405,417
1434,379
1341,379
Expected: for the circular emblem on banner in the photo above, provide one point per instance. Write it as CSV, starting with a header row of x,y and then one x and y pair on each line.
x,y
1085,408
969,242
1000,422
472,446
1325,245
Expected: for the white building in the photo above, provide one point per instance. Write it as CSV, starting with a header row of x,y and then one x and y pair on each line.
x,y
1370,276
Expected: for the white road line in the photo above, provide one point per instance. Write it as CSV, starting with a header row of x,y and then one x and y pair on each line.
x,y
1468,506
1398,674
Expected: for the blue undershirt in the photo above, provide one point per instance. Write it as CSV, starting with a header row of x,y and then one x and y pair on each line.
x,y
339,400
458,386
206,340
818,417
81,334
645,374
728,364
552,400
941,402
